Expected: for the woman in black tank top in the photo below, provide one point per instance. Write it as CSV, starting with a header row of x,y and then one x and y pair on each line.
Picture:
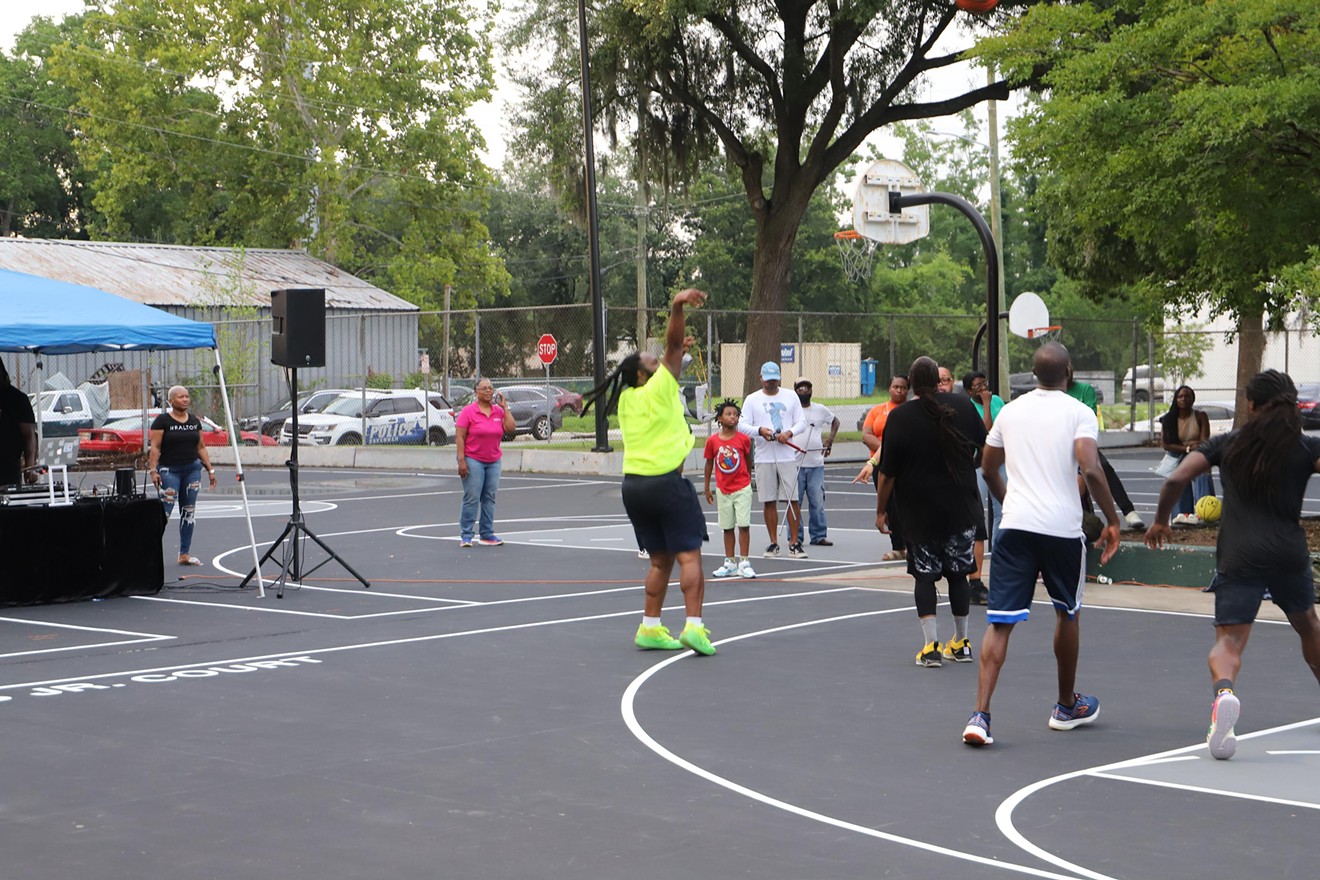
x,y
176,460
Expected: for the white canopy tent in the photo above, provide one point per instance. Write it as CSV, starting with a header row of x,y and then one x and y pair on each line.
x,y
45,316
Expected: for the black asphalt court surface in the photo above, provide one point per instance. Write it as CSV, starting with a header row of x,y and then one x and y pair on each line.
x,y
483,713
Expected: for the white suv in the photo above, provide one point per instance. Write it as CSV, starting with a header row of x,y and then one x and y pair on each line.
x,y
1137,385
375,417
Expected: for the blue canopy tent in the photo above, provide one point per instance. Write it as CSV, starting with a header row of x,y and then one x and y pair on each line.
x,y
45,316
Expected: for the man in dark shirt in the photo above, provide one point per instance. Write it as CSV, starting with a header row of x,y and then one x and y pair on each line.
x,y
1264,467
18,434
926,462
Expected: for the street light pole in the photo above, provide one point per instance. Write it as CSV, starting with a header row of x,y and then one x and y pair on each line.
x,y
997,221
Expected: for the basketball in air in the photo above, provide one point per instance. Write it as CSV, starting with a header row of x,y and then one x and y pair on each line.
x,y
977,7
1209,509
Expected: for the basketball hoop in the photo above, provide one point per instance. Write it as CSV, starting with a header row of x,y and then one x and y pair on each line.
x,y
855,250
1045,334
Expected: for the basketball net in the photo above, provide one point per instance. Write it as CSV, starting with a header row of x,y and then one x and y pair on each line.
x,y
1045,334
855,250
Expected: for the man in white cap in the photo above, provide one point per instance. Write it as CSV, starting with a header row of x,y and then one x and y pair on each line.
x,y
776,416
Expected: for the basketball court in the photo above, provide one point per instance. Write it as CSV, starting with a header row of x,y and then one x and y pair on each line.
x,y
483,712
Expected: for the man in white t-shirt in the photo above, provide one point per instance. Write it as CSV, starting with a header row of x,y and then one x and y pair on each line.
x,y
818,441
1043,437
775,417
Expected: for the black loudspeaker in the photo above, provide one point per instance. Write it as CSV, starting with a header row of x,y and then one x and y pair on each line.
x,y
125,482
297,327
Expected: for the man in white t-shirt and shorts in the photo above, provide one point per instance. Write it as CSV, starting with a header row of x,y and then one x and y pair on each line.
x,y
775,416
1043,437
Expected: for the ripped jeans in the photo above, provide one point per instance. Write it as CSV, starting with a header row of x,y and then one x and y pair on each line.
x,y
182,482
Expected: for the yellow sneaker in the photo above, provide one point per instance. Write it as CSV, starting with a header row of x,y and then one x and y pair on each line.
x,y
656,638
697,638
958,650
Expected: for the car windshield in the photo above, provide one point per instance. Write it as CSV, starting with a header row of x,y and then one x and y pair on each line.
x,y
345,406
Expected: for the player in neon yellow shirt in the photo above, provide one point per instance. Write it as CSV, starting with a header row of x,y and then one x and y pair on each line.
x,y
661,503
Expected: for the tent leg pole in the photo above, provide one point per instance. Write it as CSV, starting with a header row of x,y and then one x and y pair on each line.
x,y
238,468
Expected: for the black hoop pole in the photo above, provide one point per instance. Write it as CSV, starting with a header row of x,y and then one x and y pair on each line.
x,y
898,201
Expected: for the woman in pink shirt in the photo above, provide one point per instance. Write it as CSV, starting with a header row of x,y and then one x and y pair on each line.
x,y
481,425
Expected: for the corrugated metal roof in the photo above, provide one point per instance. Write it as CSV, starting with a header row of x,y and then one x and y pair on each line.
x,y
173,275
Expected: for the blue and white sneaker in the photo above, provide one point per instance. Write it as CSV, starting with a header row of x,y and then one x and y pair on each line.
x,y
977,731
1221,738
1083,711
727,570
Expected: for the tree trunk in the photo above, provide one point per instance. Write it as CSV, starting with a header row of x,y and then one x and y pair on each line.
x,y
776,231
1251,351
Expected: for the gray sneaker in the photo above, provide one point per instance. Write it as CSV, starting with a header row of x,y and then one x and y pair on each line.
x,y
796,551
772,550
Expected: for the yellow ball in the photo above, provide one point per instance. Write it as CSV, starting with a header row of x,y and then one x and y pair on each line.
x,y
1209,508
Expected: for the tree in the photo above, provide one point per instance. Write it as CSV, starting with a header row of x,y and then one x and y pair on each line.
x,y
339,126
42,183
787,90
1179,151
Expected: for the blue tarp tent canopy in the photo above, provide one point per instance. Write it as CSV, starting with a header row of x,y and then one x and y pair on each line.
x,y
48,317
56,317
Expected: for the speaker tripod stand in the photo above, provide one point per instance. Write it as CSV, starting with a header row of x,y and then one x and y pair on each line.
x,y
296,530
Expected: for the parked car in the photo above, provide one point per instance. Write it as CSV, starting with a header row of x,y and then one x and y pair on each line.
x,y
1308,404
311,402
1020,383
1220,413
531,412
125,436
1137,383
373,417
567,401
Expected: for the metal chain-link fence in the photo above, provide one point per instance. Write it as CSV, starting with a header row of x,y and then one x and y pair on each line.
x,y
849,357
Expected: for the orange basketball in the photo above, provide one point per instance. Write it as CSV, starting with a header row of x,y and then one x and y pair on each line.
x,y
977,7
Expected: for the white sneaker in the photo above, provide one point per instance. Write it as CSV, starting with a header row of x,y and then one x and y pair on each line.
x,y
1192,520
745,569
1179,520
642,554
1134,521
727,570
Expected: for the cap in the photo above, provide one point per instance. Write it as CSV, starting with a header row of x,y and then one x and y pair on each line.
x,y
800,381
770,370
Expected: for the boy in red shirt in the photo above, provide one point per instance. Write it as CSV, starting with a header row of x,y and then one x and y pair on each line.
x,y
727,454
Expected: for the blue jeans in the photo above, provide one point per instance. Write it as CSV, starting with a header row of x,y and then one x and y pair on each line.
x,y
996,509
185,480
811,486
479,492
1193,492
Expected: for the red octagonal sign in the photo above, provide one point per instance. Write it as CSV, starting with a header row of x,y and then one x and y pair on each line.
x,y
547,349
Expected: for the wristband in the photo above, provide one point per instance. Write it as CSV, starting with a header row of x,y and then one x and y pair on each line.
x,y
211,472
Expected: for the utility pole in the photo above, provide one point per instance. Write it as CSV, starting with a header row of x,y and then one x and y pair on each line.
x,y
997,223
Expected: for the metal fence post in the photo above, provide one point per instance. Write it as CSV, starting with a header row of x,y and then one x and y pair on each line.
x,y
476,316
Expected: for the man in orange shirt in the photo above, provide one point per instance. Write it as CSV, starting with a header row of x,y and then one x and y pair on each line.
x,y
873,431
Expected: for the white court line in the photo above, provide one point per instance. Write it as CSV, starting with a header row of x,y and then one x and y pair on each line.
x,y
1293,752
1200,789
630,719
1004,814
409,640
137,637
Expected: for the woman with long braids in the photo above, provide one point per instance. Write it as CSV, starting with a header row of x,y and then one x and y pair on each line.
x,y
662,505
926,463
1184,427
1264,467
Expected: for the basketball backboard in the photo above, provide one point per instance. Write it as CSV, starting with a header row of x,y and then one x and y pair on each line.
x,y
1028,316
871,214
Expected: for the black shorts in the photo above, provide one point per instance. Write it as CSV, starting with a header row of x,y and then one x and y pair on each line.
x,y
1021,557
665,513
951,555
1238,597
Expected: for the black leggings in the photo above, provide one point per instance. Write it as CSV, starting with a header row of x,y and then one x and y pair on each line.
x,y
959,597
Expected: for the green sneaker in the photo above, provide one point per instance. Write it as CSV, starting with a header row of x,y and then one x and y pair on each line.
x,y
697,638
656,638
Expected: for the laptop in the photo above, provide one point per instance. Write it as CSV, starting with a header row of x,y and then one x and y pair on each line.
x,y
58,450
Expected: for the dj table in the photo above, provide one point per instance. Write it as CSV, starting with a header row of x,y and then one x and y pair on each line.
x,y
95,548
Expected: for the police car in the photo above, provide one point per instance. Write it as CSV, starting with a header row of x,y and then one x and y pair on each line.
x,y
374,417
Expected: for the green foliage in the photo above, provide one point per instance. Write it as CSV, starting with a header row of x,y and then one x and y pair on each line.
x,y
1177,147
338,126
379,380
42,184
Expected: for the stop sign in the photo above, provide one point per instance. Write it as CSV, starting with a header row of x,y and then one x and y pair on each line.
x,y
547,349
